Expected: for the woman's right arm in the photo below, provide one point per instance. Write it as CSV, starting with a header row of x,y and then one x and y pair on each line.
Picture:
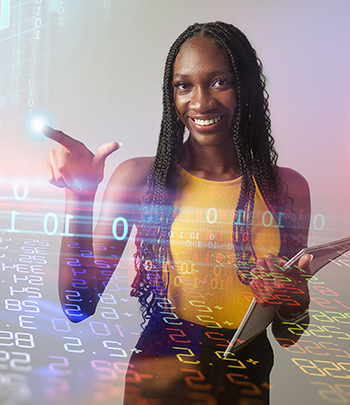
x,y
88,259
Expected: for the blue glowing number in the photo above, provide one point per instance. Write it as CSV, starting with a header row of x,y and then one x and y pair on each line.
x,y
264,221
66,225
122,351
22,321
52,215
13,220
60,325
20,339
56,368
239,218
96,328
55,225
75,310
73,296
318,228
212,212
24,337
76,344
114,228
19,364
110,314
25,191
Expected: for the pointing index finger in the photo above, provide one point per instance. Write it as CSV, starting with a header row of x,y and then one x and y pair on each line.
x,y
58,136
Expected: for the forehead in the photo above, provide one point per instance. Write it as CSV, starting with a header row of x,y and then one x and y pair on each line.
x,y
201,54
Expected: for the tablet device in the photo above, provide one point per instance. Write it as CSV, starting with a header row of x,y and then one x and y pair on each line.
x,y
257,318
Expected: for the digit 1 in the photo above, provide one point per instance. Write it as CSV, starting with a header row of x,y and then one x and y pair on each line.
x,y
66,225
280,214
13,220
300,214
239,218
118,327
38,12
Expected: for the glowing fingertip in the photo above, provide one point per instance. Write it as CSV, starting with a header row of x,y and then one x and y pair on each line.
x,y
38,124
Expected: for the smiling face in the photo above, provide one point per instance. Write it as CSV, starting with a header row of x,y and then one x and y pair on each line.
x,y
204,91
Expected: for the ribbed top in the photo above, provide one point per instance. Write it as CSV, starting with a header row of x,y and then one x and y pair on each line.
x,y
203,284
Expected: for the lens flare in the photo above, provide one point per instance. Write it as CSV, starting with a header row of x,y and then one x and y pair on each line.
x,y
38,124
34,124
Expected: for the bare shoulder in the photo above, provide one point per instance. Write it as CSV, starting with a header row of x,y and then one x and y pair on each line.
x,y
296,190
135,170
129,180
294,184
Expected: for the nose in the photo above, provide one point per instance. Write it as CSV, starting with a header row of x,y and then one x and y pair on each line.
x,y
202,100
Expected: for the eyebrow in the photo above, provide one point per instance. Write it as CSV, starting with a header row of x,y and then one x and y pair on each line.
x,y
213,73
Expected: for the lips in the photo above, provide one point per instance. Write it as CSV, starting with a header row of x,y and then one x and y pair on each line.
x,y
206,122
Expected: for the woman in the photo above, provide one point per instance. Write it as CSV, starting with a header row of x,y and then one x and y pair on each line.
x,y
216,211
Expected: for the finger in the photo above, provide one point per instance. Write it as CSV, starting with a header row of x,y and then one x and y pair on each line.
x,y
261,272
105,150
304,261
59,136
277,272
62,170
50,173
260,269
58,171
274,263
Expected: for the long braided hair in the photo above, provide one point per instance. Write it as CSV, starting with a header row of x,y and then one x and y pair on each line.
x,y
257,158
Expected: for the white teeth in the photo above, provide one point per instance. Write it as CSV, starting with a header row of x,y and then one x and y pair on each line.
x,y
207,122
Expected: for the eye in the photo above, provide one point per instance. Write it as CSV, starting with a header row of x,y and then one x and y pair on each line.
x,y
181,86
222,81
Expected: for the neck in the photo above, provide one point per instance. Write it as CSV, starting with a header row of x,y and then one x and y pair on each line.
x,y
212,162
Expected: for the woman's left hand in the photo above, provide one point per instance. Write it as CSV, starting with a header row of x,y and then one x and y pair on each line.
x,y
286,288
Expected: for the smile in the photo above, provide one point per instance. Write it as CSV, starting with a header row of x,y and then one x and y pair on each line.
x,y
207,122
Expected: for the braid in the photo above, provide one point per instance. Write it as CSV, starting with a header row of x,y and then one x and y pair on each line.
x,y
257,158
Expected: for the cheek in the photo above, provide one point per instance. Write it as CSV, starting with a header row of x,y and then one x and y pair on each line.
x,y
179,107
176,103
234,107
232,101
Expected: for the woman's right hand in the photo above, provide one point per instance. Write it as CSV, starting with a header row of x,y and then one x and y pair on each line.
x,y
72,165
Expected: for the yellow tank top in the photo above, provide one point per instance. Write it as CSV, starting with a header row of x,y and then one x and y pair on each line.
x,y
204,287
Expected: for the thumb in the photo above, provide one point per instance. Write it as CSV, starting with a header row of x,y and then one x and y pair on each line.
x,y
304,261
104,151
